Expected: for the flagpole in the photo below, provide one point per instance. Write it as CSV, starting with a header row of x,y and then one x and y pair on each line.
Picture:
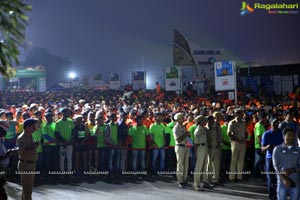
x,y
235,85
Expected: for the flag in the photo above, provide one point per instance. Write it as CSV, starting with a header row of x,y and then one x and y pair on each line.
x,y
180,41
182,52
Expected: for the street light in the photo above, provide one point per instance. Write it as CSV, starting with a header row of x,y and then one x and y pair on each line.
x,y
72,75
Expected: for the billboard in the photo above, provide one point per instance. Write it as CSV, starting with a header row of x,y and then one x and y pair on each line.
x,y
139,80
224,75
172,79
114,81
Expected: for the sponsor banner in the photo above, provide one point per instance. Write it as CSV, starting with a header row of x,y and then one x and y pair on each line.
x,y
41,85
287,84
231,96
139,80
266,85
205,59
115,82
172,79
277,84
97,81
251,83
224,75
295,76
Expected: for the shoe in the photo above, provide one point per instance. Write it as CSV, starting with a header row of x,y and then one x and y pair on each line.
x,y
186,184
198,188
180,185
208,186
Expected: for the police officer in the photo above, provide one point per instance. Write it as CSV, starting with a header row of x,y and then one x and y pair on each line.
x,y
214,149
201,151
27,157
181,150
238,135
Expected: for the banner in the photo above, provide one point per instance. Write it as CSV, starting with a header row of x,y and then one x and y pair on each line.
x,y
295,77
266,84
41,85
251,83
99,83
172,79
114,82
224,75
139,80
287,84
277,84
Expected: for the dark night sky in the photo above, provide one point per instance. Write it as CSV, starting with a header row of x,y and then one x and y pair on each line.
x,y
109,36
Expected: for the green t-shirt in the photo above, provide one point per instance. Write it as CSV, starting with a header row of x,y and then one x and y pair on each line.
x,y
259,130
65,128
11,132
225,137
114,133
37,137
191,131
48,132
100,137
170,127
157,132
91,129
138,134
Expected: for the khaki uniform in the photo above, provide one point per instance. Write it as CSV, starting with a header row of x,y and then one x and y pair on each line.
x,y
214,153
27,163
200,142
182,153
238,149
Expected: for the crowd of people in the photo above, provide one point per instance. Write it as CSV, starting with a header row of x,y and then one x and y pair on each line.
x,y
87,133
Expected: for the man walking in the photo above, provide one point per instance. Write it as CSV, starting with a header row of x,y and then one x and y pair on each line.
x,y
286,161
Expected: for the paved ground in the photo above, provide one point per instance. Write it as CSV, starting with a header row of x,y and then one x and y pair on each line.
x,y
132,188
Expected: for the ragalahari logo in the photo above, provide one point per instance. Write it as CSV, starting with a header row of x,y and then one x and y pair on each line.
x,y
246,9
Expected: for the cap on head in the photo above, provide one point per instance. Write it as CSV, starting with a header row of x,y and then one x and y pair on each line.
x,y
81,101
178,116
199,118
276,120
29,122
33,105
215,114
77,117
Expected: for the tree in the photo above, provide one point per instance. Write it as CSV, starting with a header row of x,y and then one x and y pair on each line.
x,y
13,21
54,64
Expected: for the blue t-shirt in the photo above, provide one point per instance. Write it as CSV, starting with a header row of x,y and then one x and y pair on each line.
x,y
271,138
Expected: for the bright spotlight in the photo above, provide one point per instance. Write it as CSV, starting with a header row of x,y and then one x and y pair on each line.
x,y
72,75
